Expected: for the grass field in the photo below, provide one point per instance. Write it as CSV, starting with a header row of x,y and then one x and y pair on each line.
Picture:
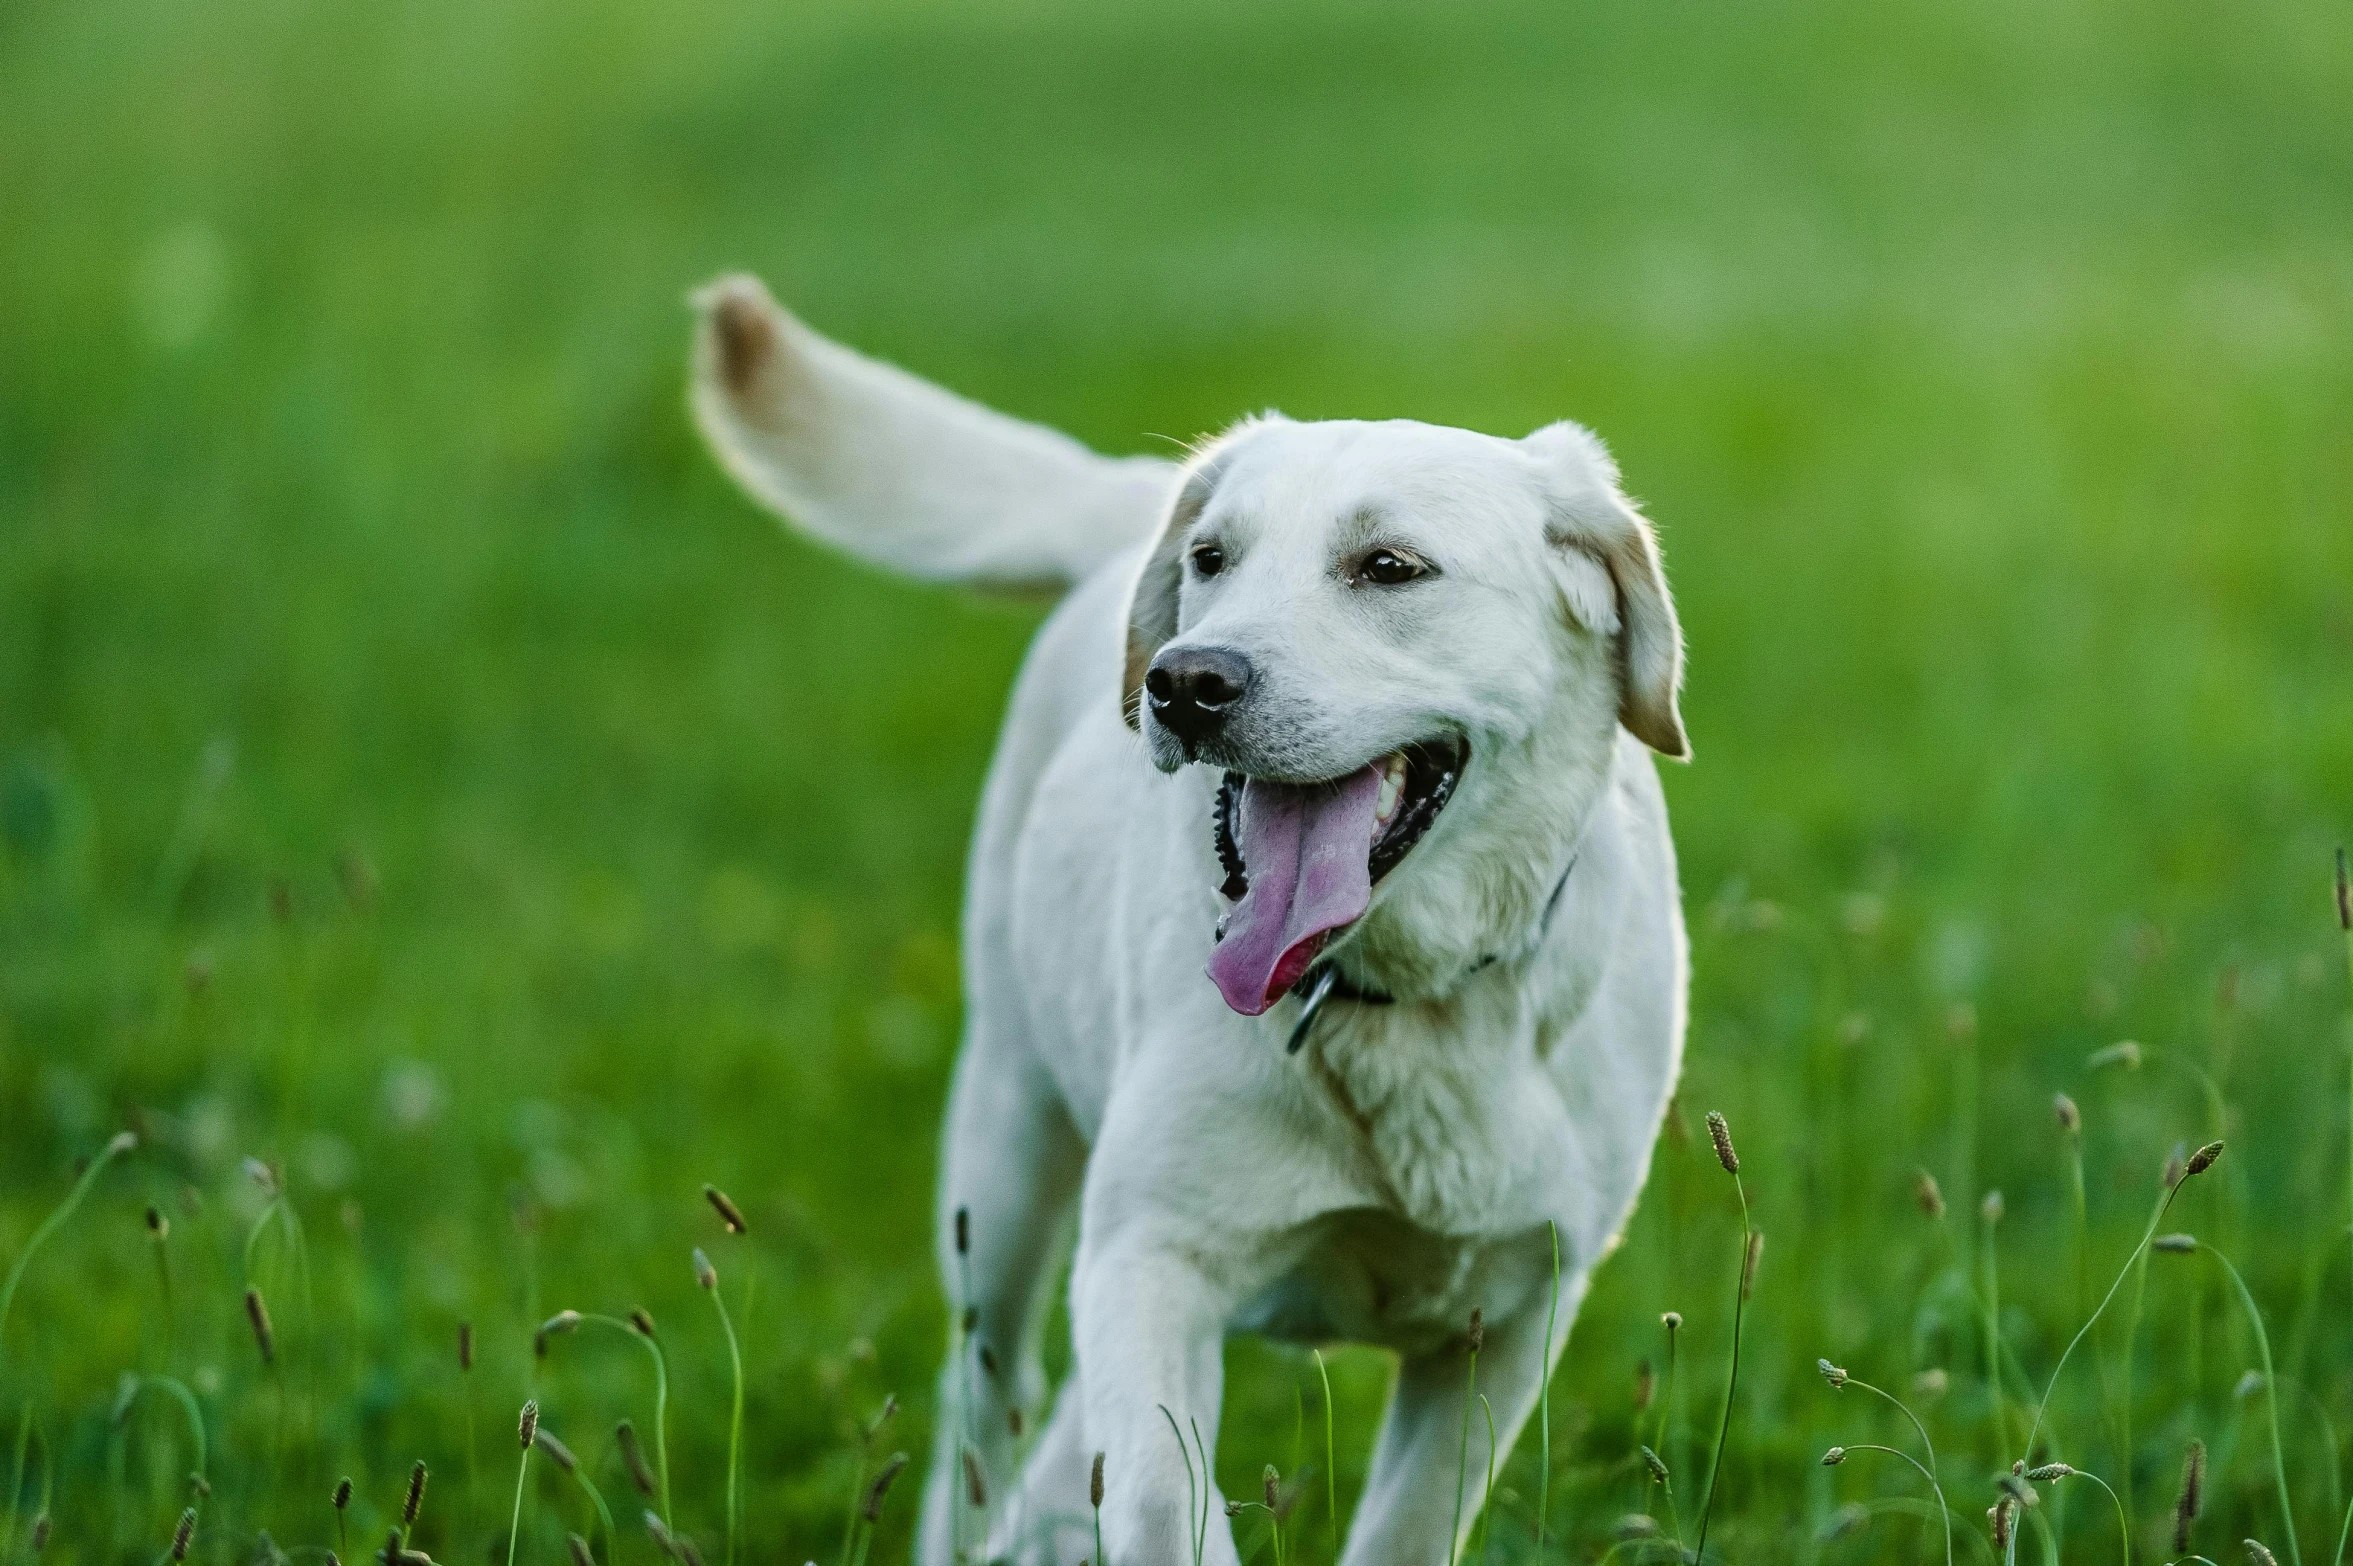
x,y
421,773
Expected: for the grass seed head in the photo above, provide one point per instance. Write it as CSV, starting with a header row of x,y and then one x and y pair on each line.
x,y
643,1320
729,1214
2202,1160
1270,1484
976,1488
465,1345
633,1458
414,1501
342,1496
528,1426
557,1453
1998,1517
871,1507
263,1338
1095,1484
2257,1555
1833,1374
2192,1498
579,1548
1721,1135
1930,1197
705,1275
158,1225
675,1545
2050,1473
2174,1244
2124,1052
1478,1330
561,1322
2070,1117
1833,1457
1656,1464
1673,1321
184,1534
1635,1525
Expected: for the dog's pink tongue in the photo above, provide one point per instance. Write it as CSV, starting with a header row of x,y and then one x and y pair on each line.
x,y
1308,853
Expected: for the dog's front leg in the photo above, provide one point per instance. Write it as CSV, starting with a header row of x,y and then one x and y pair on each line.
x,y
1149,1329
1406,1517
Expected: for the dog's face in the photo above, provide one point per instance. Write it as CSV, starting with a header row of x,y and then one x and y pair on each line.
x,y
1409,649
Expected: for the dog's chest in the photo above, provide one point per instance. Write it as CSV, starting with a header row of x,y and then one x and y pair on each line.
x,y
1444,1113
1366,1275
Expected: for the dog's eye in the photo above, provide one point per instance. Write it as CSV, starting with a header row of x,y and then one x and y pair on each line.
x,y
1389,567
1208,559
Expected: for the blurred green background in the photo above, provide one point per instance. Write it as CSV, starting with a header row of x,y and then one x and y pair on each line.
x,y
421,772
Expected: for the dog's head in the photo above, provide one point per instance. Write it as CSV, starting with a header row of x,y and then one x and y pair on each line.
x,y
1410,649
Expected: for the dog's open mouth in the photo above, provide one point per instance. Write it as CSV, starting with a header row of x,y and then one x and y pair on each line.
x,y
1301,859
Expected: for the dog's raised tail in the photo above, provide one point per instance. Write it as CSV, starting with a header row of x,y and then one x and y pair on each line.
x,y
901,472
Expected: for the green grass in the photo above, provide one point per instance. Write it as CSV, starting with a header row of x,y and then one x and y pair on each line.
x,y
419,771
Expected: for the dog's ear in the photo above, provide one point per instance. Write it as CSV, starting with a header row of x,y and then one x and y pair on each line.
x,y
1152,604
1591,518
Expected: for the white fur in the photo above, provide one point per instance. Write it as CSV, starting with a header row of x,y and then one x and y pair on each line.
x,y
1402,1170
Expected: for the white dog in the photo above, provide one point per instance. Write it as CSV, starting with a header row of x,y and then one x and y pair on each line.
x,y
1322,948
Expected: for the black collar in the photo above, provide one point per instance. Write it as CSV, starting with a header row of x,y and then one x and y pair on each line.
x,y
1323,982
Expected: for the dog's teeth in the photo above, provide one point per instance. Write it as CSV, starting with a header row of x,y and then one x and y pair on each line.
x,y
1392,785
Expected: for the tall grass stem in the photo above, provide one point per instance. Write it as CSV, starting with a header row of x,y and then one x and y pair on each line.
x,y
1929,1446
734,1423
1192,1489
1544,1397
661,1396
1487,1493
1331,1469
1462,1461
122,1142
1707,1506
2092,1320
2279,1460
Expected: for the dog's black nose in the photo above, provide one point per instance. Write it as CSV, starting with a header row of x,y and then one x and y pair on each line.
x,y
1193,689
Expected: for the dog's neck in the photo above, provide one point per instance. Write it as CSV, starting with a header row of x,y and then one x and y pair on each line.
x,y
1499,858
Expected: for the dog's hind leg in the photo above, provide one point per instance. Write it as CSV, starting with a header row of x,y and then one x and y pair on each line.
x,y
1423,1461
1011,1168
1051,1521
